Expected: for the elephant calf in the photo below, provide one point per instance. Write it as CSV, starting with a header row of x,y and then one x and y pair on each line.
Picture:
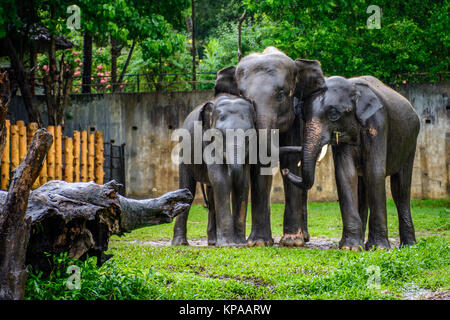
x,y
373,132
226,178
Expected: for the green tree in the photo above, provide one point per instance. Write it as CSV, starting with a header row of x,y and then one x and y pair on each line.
x,y
412,40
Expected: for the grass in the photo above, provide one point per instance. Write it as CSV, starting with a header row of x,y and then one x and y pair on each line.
x,y
140,271
431,217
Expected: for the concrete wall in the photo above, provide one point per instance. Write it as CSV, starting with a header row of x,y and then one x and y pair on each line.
x,y
145,121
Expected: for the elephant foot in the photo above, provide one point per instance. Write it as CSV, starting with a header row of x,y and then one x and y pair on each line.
x,y
254,241
292,240
241,242
407,241
306,236
211,242
226,243
351,244
180,241
378,244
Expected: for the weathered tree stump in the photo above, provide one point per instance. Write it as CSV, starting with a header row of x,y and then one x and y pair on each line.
x,y
79,218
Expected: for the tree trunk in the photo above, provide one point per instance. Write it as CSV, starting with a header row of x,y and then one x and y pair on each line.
x,y
57,87
24,84
241,19
115,53
87,63
14,224
127,62
5,96
194,50
79,218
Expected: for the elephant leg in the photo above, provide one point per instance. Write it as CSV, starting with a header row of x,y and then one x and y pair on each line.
x,y
347,187
363,205
180,226
260,195
401,192
239,197
295,226
212,236
221,185
295,231
375,174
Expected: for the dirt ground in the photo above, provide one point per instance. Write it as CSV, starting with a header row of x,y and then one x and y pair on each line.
x,y
314,242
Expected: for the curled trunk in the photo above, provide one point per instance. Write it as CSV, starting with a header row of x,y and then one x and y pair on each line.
x,y
310,153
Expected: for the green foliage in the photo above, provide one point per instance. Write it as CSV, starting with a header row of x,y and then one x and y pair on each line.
x,y
106,283
412,38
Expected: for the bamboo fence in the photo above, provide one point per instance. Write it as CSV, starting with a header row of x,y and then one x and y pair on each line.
x,y
72,159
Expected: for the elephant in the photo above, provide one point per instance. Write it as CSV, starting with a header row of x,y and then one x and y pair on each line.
x,y
373,133
222,178
270,80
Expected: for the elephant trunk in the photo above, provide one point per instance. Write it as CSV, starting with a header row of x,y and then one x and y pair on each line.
x,y
310,152
236,172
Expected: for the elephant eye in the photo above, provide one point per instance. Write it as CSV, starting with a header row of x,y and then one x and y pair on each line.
x,y
333,114
280,95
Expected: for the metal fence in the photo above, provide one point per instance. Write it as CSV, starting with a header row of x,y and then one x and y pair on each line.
x,y
114,164
148,82
142,82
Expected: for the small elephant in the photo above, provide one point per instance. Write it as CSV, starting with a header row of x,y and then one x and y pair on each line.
x,y
231,178
373,132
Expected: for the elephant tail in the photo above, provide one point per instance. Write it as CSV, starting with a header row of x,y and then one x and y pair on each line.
x,y
205,198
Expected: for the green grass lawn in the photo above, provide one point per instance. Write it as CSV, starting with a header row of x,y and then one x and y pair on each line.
x,y
142,271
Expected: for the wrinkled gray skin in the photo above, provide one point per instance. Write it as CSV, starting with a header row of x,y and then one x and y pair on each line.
x,y
270,80
376,132
227,111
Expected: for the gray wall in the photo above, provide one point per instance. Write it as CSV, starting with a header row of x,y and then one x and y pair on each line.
x,y
145,121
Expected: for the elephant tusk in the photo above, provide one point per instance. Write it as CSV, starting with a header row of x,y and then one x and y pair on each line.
x,y
323,152
299,164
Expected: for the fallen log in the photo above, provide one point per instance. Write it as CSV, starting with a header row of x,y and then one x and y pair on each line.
x,y
14,224
79,218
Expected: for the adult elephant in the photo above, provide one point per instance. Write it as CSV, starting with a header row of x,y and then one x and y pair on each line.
x,y
270,79
373,132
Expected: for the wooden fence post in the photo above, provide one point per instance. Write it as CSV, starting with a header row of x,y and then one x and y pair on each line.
x,y
91,154
76,155
14,147
99,157
68,159
43,178
22,139
5,159
32,128
51,156
84,158
58,156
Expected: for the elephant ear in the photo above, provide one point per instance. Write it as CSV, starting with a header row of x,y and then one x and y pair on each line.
x,y
205,114
226,82
309,78
366,101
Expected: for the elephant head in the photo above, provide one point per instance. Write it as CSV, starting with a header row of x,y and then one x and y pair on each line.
x,y
334,110
232,120
269,80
